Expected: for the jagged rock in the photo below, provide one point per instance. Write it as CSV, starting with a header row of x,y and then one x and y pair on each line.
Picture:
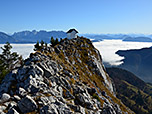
x,y
12,111
84,101
5,97
68,78
78,89
47,72
91,90
68,94
109,109
22,92
2,108
82,110
51,109
90,112
34,58
27,104
62,108
65,83
104,93
46,101
10,104
97,104
98,112
74,107
117,109
52,99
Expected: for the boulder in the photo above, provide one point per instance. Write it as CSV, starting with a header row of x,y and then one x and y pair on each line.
x,y
27,104
5,97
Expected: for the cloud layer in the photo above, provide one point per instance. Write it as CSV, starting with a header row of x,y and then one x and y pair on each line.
x,y
108,48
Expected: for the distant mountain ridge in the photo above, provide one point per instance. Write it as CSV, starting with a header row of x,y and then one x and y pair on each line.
x,y
138,39
124,37
35,36
105,36
31,36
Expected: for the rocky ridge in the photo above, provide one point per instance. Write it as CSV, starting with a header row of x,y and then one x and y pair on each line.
x,y
68,78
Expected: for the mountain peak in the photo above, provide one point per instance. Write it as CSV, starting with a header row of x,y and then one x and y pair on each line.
x,y
66,78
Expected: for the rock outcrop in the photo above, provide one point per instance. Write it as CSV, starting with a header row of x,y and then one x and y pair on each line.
x,y
68,78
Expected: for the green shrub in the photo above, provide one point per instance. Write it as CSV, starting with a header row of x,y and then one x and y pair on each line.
x,y
95,96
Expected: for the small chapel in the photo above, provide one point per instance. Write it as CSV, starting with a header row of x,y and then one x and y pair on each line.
x,y
72,33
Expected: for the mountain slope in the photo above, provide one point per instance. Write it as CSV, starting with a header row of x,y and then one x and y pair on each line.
x,y
67,78
6,38
139,62
133,92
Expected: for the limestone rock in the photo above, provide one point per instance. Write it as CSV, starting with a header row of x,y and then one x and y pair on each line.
x,y
27,104
5,97
51,109
12,111
22,92
68,78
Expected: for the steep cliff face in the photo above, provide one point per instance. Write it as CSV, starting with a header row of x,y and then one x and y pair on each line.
x,y
64,79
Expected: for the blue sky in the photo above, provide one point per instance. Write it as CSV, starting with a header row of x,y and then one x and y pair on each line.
x,y
87,16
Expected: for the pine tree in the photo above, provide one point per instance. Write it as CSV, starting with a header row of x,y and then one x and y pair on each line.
x,y
8,60
42,43
45,44
56,41
52,41
37,46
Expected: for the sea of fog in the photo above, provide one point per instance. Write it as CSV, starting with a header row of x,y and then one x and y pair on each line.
x,y
107,49
22,49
